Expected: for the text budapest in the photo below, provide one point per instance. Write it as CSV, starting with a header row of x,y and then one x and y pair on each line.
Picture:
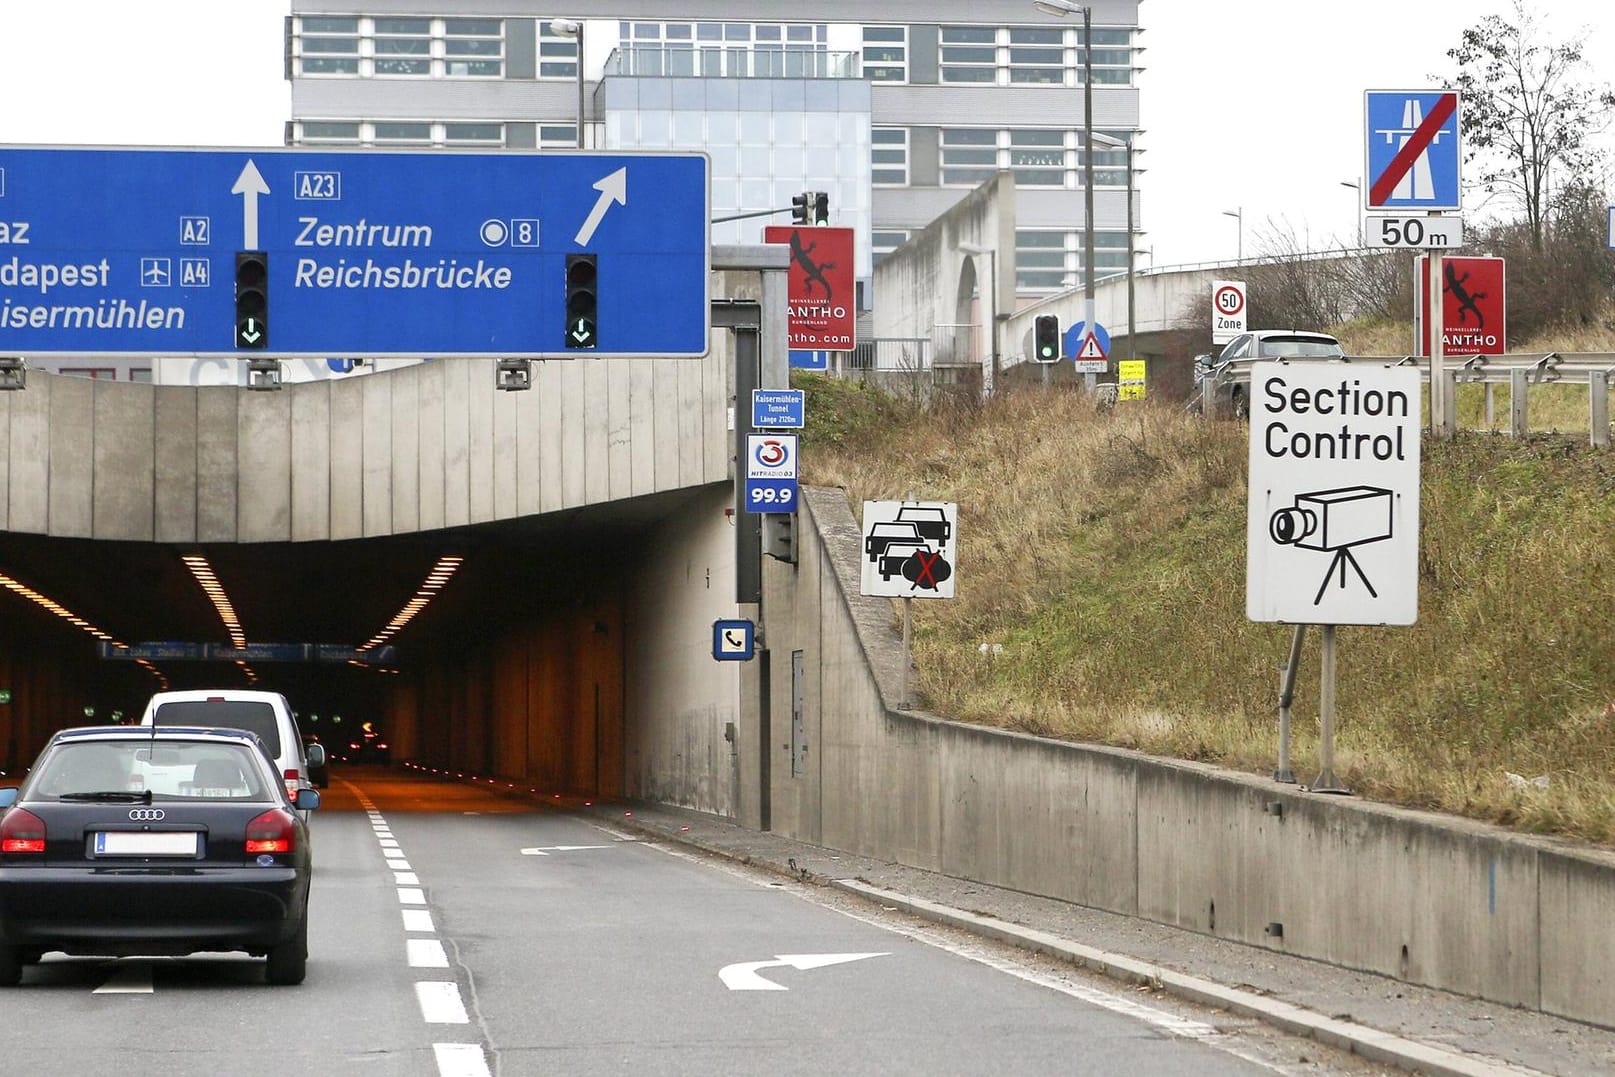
x,y
1307,428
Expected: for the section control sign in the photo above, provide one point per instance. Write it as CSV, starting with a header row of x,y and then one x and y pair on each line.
x,y
351,252
1332,535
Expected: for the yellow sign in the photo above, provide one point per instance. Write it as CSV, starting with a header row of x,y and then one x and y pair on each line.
x,y
1130,370
1133,391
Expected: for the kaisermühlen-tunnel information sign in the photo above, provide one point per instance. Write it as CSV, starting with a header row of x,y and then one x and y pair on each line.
x,y
1332,535
369,252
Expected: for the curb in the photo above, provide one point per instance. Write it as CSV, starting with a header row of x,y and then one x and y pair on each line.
x,y
1369,1043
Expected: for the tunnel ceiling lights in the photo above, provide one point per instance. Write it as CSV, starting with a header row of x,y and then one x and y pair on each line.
x,y
209,582
435,581
73,619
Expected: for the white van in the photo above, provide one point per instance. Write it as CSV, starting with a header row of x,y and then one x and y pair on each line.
x,y
267,714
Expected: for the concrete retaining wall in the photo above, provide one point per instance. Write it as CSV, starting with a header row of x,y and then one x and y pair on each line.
x,y
1429,899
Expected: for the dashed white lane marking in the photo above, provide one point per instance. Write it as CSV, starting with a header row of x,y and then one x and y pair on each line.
x,y
460,1060
398,865
411,895
418,920
426,954
440,1002
406,878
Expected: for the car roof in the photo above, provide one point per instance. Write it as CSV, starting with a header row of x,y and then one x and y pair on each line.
x,y
1296,334
217,693
146,732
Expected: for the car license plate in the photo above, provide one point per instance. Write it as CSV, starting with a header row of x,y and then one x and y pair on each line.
x,y
145,843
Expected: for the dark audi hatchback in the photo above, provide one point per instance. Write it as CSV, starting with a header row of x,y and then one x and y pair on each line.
x,y
126,841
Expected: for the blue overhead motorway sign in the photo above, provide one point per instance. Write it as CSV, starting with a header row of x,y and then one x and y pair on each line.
x,y
370,252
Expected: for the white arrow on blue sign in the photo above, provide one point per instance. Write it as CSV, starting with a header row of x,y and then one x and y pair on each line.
x,y
440,253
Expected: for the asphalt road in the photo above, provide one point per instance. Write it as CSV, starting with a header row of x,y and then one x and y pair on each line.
x,y
457,932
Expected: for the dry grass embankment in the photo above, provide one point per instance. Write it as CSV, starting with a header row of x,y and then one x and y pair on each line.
x,y
1106,553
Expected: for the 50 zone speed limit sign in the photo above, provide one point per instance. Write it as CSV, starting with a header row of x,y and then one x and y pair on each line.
x,y
1227,310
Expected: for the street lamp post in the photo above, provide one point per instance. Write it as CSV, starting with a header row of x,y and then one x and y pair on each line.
x,y
574,28
1239,215
1358,208
1063,8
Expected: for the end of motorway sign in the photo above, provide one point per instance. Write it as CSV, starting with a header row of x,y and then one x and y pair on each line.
x,y
369,252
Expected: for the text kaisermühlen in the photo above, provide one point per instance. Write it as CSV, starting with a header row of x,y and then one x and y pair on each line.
x,y
1350,402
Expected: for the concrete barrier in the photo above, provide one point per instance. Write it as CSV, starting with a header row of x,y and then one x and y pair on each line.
x,y
1429,899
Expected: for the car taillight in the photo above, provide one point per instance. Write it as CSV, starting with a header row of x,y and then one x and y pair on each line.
x,y
21,832
291,783
272,832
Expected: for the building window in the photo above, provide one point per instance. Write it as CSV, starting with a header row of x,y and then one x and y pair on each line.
x,y
1037,55
969,54
882,243
557,54
557,135
330,46
315,132
1040,261
404,47
473,48
969,156
885,57
888,156
396,133
1037,158
474,134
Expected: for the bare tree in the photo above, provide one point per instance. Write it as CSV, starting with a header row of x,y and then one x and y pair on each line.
x,y
1526,113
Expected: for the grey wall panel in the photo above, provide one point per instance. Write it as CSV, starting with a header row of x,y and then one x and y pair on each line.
x,y
924,55
456,443
574,446
174,455
893,103
480,452
376,470
28,456
642,426
620,431
124,448
216,467
347,458
5,458
690,386
548,381
521,48
72,457
311,461
445,99
406,454
596,430
265,478
529,421
434,468
504,474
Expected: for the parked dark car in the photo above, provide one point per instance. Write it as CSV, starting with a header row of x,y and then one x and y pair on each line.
x,y
134,841
1212,372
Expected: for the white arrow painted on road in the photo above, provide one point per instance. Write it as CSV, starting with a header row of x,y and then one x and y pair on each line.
x,y
249,185
743,977
613,188
546,850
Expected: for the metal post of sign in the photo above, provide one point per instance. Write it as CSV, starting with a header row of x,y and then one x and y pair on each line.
x,y
1326,781
1441,418
907,700
1285,773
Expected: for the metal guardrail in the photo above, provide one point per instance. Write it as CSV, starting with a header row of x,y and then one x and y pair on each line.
x,y
1519,371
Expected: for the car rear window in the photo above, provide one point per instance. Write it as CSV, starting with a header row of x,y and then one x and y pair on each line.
x,y
181,770
253,716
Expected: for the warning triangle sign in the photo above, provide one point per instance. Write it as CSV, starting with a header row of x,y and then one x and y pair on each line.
x,y
1090,348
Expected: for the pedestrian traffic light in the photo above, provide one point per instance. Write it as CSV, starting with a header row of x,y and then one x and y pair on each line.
x,y
801,207
252,299
821,208
1046,338
582,300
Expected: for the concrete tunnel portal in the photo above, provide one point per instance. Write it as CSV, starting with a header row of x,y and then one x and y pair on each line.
x,y
515,667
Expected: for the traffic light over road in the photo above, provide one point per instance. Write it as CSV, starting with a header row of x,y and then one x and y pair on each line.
x,y
801,207
1046,338
582,301
821,208
252,299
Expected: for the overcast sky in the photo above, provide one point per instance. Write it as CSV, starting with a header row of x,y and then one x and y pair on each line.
x,y
1254,106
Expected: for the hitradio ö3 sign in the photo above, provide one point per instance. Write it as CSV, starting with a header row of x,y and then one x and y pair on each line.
x,y
1332,534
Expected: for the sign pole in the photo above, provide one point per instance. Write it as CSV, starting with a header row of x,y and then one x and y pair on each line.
x,y
1285,773
1326,781
1440,421
908,640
